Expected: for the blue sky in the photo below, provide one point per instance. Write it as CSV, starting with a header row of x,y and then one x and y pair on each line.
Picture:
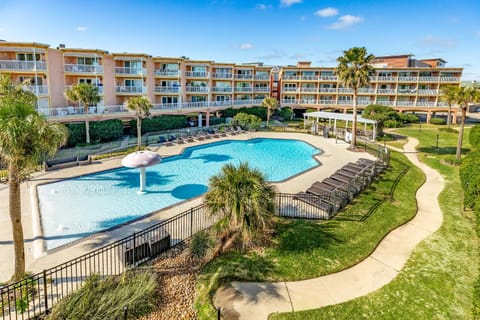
x,y
277,32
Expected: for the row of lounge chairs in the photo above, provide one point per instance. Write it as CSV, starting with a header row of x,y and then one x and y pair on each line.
x,y
199,136
335,192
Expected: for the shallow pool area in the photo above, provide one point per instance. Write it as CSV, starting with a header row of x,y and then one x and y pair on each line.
x,y
74,208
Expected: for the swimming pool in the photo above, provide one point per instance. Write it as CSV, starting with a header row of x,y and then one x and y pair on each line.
x,y
74,208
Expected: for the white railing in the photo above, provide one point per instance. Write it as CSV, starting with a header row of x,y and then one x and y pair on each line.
x,y
130,89
364,102
310,78
426,104
83,68
328,78
243,89
386,91
307,101
130,71
385,102
167,89
366,90
428,79
288,101
167,73
345,90
329,90
38,90
222,75
290,89
306,89
428,91
222,89
449,79
442,104
405,103
290,77
407,79
406,91
100,88
196,89
325,102
261,89
244,76
262,77
22,65
197,74
386,79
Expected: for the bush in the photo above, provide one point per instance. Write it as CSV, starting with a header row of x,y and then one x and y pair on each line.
x,y
199,245
408,118
107,130
449,130
437,121
160,123
216,121
260,112
286,113
107,298
248,121
474,136
470,178
392,124
76,134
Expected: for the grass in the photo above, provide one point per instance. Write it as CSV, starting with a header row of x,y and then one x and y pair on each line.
x,y
305,249
437,281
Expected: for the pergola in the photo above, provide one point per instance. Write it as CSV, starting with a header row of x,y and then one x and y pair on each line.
x,y
347,117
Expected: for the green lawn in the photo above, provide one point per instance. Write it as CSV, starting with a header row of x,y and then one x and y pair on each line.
x,y
306,249
437,282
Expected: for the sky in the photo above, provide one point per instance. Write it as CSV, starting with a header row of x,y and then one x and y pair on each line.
x,y
276,32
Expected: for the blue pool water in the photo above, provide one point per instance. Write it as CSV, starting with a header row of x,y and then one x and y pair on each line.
x,y
74,208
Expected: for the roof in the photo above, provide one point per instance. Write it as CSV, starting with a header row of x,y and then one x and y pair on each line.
x,y
437,59
395,56
337,116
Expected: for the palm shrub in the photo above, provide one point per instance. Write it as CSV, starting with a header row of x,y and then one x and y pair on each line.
x,y
437,121
474,136
271,104
243,202
141,107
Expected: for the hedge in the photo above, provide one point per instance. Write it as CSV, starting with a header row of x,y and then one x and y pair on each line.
x,y
474,136
437,121
159,123
470,178
260,112
107,130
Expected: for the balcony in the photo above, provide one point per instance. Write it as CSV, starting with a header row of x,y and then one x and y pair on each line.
x,y
288,101
407,79
345,102
405,103
131,89
386,79
326,102
19,65
428,79
197,74
327,90
222,75
196,89
167,73
220,103
83,68
262,77
167,89
442,104
406,91
426,104
327,78
38,90
430,92
243,89
290,77
100,88
222,89
130,71
307,101
166,106
261,89
196,104
385,102
362,102
345,90
244,76
386,91
309,78
308,89
449,79
366,90
290,89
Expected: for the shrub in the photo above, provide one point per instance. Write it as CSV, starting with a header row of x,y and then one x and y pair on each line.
x,y
449,130
249,121
474,136
286,113
199,245
107,130
76,134
107,298
216,121
437,121
392,124
470,178
408,118
260,112
160,123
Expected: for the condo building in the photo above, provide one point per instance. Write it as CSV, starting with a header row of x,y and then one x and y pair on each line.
x,y
181,85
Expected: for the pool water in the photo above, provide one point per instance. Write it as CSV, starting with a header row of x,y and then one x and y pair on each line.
x,y
74,208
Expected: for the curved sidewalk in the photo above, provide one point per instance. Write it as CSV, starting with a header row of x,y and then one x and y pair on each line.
x,y
256,300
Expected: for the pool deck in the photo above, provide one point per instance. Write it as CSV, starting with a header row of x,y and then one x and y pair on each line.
x,y
333,157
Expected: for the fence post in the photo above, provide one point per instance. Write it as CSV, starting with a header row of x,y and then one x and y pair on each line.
x,y
219,314
134,247
191,222
45,293
125,313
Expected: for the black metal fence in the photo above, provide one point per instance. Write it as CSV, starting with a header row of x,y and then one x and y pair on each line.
x,y
36,294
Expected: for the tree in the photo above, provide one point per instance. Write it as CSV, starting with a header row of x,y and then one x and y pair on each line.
x,y
25,138
353,71
248,121
380,114
244,203
141,106
271,104
449,96
463,97
86,95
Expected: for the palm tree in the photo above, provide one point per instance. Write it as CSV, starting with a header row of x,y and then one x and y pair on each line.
x,y
449,96
271,104
244,203
353,71
25,138
463,97
141,106
85,94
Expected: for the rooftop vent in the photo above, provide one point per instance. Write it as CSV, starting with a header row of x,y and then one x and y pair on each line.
x,y
61,46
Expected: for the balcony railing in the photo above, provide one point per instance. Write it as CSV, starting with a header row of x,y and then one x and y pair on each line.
x,y
243,89
442,104
345,90
222,75
405,103
327,78
262,77
366,90
325,101
197,74
407,91
38,90
167,89
100,88
130,89
386,79
407,79
130,71
386,91
222,89
261,89
345,102
289,101
19,65
290,77
196,89
167,73
327,90
426,104
83,68
290,89
244,76
449,79
306,89
310,78
428,91
385,102
428,79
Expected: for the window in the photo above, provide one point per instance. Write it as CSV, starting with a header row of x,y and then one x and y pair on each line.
x,y
199,69
32,80
87,60
133,83
169,67
169,99
28,56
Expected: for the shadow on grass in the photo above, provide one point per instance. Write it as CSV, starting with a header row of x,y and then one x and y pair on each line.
x,y
440,150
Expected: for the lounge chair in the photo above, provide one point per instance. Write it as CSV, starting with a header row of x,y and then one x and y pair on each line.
x,y
162,139
172,137
317,201
189,139
180,140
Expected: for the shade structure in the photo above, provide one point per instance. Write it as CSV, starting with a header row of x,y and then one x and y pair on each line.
x,y
141,159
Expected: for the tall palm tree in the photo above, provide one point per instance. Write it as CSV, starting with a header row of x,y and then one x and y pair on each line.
x,y
353,71
463,97
244,203
271,104
141,106
85,94
25,138
449,96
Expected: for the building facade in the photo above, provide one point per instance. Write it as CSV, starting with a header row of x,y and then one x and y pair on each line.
x,y
181,85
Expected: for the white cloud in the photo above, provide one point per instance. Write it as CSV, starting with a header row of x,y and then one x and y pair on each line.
x,y
303,18
327,12
262,6
246,46
288,3
81,29
345,21
437,42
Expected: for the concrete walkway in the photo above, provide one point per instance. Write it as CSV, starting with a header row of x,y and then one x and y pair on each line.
x,y
252,301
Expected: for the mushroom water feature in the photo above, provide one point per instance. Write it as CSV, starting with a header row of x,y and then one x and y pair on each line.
x,y
141,159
